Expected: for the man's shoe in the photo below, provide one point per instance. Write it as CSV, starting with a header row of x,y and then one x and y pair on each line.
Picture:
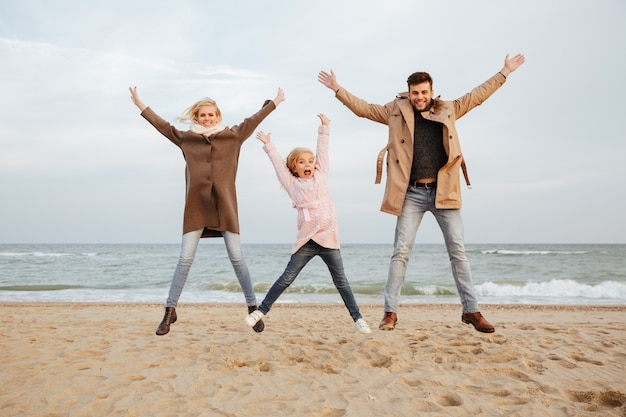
x,y
389,321
253,319
478,321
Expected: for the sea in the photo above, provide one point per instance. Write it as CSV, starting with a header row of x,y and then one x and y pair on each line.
x,y
540,274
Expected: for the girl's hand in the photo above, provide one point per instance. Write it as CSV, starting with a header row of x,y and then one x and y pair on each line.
x,y
263,137
280,97
325,120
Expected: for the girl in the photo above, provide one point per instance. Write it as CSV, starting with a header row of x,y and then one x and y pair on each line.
x,y
211,151
305,178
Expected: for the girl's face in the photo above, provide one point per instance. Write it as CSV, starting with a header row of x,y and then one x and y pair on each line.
x,y
207,116
305,165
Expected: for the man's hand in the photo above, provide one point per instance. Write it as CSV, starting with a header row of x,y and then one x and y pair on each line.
x,y
329,80
511,64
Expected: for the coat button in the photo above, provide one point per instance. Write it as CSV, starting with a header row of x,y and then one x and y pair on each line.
x,y
402,141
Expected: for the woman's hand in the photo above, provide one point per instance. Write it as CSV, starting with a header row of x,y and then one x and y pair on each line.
x,y
134,96
280,97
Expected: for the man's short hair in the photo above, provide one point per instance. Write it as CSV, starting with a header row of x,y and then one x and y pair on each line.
x,y
418,78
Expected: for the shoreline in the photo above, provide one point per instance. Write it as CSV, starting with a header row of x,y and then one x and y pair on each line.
x,y
485,307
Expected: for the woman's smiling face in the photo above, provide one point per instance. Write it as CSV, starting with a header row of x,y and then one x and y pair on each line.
x,y
207,116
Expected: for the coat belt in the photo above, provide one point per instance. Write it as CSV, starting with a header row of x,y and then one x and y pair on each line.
x,y
381,158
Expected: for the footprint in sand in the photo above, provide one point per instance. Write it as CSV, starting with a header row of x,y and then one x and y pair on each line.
x,y
448,400
608,399
563,362
582,358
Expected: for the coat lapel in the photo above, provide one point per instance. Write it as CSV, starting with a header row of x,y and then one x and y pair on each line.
x,y
409,117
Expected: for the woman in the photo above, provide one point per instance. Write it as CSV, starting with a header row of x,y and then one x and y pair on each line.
x,y
211,151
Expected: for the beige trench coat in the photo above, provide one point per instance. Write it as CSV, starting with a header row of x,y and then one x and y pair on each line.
x,y
398,115
210,172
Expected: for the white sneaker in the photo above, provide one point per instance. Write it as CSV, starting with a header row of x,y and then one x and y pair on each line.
x,y
254,317
362,327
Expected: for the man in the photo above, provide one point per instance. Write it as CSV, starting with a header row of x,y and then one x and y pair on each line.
x,y
424,161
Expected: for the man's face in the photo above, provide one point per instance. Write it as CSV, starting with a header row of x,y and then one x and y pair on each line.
x,y
420,95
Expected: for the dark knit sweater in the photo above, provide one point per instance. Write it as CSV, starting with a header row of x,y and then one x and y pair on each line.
x,y
429,154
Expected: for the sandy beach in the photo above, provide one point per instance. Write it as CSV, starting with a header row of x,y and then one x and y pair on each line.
x,y
105,360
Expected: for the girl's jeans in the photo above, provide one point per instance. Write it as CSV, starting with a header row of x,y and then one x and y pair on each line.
x,y
187,254
332,259
417,202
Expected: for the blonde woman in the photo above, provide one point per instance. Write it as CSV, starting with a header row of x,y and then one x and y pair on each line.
x,y
211,151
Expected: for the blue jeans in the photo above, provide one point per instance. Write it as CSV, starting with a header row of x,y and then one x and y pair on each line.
x,y
417,202
187,254
332,259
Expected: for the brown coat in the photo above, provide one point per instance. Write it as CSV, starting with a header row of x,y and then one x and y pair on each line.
x,y
398,115
211,169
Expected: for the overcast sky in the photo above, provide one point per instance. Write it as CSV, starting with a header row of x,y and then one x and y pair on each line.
x,y
79,165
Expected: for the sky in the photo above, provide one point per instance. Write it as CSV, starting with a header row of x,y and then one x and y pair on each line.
x,y
78,164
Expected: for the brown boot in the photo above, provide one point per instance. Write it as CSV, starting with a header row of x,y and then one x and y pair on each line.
x,y
478,321
259,326
168,318
389,321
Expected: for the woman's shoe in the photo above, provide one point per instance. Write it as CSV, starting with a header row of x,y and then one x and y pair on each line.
x,y
168,318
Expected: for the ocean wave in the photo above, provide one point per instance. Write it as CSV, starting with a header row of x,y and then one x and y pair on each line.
x,y
531,252
39,287
34,254
611,290
557,288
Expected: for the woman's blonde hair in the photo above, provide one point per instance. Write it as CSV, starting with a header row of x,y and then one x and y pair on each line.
x,y
191,114
293,156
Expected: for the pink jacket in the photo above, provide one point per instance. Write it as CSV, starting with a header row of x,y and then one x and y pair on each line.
x,y
317,219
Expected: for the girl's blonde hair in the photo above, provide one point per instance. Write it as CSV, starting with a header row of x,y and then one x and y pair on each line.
x,y
191,114
293,156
